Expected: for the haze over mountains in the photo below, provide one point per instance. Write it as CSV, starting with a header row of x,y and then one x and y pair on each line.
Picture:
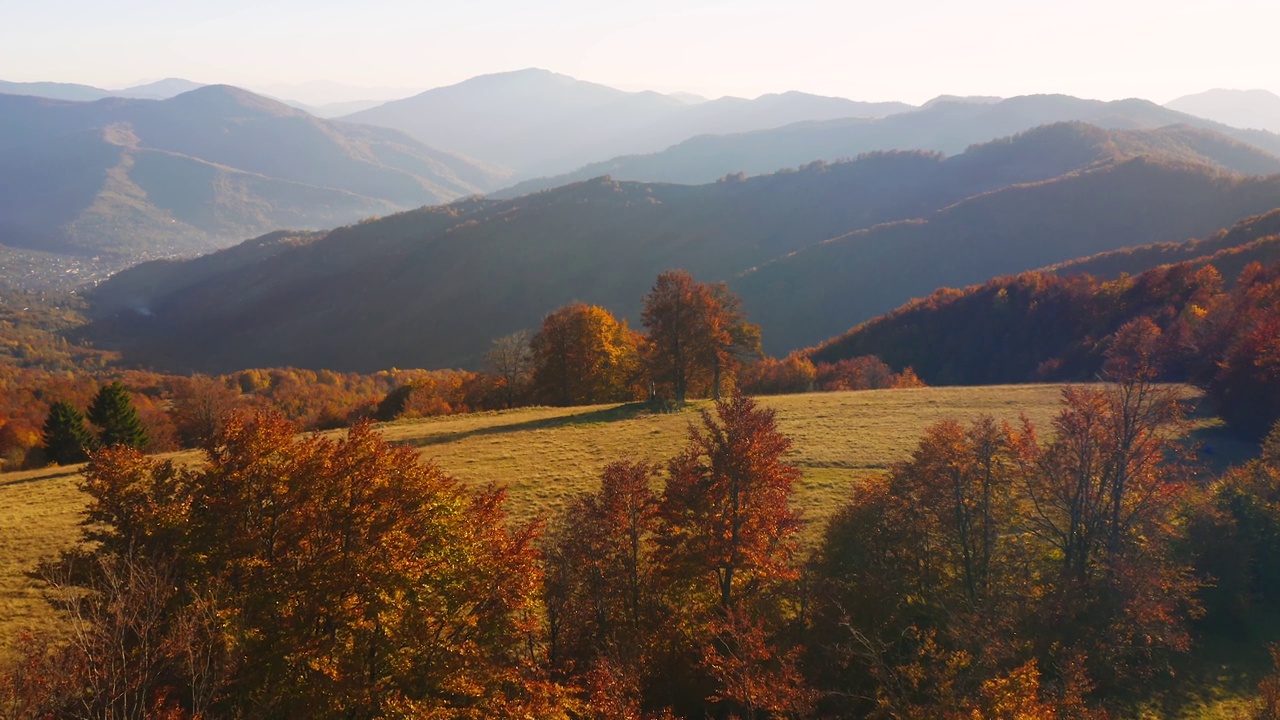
x,y
205,169
947,126
432,287
91,187
1239,108
537,122
158,90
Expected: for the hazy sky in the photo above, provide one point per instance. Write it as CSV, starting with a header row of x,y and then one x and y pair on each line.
x,y
907,50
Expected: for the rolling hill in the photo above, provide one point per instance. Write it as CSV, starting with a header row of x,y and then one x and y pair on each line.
x,y
537,122
432,287
947,126
1058,323
825,289
1254,239
143,178
54,90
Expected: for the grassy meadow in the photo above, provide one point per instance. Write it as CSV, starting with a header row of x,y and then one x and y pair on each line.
x,y
546,456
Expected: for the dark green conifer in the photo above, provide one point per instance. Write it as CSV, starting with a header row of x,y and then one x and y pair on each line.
x,y
113,412
66,439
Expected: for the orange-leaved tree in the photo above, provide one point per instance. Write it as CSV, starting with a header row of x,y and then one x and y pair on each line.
x,y
327,578
601,597
697,334
726,540
1102,500
583,355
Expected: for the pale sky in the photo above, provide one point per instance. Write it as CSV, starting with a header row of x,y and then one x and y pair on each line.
x,y
909,50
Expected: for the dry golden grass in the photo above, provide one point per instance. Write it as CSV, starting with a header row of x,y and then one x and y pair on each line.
x,y
40,513
545,456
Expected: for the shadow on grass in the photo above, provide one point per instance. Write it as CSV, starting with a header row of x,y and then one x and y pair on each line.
x,y
1221,448
626,411
56,474
1224,667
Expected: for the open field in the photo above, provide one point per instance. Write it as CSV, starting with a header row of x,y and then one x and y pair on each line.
x,y
545,456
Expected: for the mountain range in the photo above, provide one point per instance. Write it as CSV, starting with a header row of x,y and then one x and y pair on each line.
x,y
137,178
812,252
947,126
155,90
537,122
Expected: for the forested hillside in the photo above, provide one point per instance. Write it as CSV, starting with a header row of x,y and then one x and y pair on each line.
x,y
1230,250
1188,321
602,241
434,286
827,288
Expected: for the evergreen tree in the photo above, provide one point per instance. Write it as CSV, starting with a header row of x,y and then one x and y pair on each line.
x,y
112,411
66,440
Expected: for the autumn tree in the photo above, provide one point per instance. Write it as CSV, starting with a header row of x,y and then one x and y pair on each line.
x,y
118,422
1101,500
697,333
1238,352
959,484
923,575
583,355
1236,536
726,540
342,577
511,359
725,512
601,597
66,439
739,340
201,407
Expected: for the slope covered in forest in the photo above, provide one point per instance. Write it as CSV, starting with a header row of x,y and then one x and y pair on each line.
x,y
433,287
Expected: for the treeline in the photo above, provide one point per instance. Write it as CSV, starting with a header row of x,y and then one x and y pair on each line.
x,y
697,343
997,573
1038,326
177,412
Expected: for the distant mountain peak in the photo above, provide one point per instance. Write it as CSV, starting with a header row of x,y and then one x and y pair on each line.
x,y
524,75
159,89
224,98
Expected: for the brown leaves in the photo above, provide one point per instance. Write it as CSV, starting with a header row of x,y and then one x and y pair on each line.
x,y
725,513
307,577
